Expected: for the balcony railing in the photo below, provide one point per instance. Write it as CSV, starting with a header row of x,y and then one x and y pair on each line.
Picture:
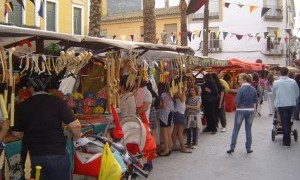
x,y
275,13
215,45
274,49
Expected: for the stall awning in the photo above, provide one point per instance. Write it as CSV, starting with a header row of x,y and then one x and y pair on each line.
x,y
11,36
247,65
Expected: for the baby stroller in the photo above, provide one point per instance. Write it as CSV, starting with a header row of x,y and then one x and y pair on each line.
x,y
277,127
137,138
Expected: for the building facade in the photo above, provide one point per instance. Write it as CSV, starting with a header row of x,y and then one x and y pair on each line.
x,y
65,16
246,30
123,20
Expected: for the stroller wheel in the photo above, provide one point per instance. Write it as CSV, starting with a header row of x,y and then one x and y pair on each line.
x,y
273,135
295,133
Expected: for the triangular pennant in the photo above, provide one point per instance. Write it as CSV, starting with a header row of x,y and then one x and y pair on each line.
x,y
41,10
252,8
32,2
224,34
193,36
279,39
279,11
8,6
258,38
264,11
239,37
266,34
227,5
194,6
288,31
272,38
190,36
196,33
286,39
200,32
114,36
21,3
217,34
278,33
123,37
240,5
232,34
256,34
132,37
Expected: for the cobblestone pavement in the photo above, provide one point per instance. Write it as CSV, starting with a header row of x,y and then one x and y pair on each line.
x,y
209,161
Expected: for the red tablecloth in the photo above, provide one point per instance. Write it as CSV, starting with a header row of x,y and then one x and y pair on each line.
x,y
230,102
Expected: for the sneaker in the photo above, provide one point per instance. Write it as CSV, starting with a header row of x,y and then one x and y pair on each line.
x,y
286,146
193,147
223,130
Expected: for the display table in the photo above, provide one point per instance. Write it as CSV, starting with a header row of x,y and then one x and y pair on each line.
x,y
230,102
91,124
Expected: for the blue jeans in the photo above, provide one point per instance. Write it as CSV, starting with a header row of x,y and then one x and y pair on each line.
x,y
53,166
285,117
240,115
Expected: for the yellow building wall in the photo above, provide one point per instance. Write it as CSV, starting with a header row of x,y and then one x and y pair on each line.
x,y
134,28
64,14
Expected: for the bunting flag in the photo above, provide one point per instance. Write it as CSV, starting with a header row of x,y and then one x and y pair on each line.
x,y
132,37
258,38
217,34
224,34
32,2
286,39
288,31
8,6
277,33
41,10
240,5
279,39
239,37
266,34
193,36
272,38
256,34
264,11
232,34
114,36
196,34
190,36
227,5
123,37
252,8
21,3
194,6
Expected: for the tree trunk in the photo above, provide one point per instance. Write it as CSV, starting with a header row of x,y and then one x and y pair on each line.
x,y
95,18
205,29
183,22
149,21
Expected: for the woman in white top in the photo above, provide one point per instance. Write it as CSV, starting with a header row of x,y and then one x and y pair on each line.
x,y
179,120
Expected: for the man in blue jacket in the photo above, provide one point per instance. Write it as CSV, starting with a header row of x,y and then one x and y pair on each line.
x,y
285,92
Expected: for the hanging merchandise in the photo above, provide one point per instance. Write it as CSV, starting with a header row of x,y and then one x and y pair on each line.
x,y
113,64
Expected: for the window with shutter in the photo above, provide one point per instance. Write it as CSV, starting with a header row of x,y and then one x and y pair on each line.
x,y
51,13
77,21
15,17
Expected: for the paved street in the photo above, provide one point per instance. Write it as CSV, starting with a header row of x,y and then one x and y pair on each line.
x,y
209,161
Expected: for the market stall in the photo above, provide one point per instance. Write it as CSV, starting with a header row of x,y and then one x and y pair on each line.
x,y
68,59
